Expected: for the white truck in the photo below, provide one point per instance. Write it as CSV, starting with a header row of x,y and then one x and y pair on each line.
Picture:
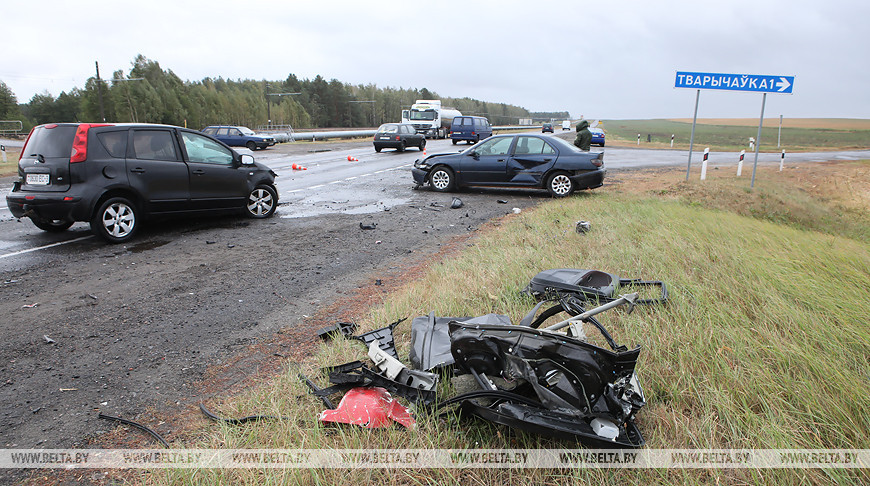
x,y
566,125
430,118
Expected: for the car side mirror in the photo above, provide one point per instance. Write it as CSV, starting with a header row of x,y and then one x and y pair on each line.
x,y
247,159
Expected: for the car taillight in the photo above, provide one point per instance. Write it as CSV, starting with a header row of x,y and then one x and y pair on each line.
x,y
398,138
79,152
598,161
472,133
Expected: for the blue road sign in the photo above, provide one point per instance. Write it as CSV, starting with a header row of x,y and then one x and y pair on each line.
x,y
758,83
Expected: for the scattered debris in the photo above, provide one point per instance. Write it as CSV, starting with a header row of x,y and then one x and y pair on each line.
x,y
369,407
238,421
456,204
48,340
136,425
583,227
345,329
368,226
430,339
30,306
394,370
587,285
384,336
517,210
502,201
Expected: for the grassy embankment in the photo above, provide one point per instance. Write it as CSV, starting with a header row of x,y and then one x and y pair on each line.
x,y
798,135
764,343
10,167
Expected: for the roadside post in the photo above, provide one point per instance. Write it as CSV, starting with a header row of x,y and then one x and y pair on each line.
x,y
3,149
755,83
740,163
638,140
672,140
704,163
781,160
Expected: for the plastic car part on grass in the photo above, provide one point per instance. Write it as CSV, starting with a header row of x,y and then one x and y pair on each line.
x,y
430,339
589,285
394,370
356,373
572,389
384,336
371,407
345,329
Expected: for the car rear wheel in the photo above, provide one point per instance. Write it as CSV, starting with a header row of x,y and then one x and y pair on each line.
x,y
115,220
441,179
422,145
454,141
51,225
262,202
251,146
560,185
377,149
401,147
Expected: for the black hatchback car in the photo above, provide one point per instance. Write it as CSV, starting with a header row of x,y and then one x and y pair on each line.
x,y
113,176
398,136
514,161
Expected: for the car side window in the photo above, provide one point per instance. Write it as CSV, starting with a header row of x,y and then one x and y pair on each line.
x,y
235,132
223,132
494,146
210,131
154,145
533,146
114,142
205,150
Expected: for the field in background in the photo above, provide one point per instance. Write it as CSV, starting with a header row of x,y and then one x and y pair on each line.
x,y
803,135
764,343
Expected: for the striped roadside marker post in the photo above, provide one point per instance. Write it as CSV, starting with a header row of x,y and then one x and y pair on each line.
x,y
704,163
781,160
740,163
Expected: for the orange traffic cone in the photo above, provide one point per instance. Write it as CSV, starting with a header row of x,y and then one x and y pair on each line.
x,y
349,158
294,167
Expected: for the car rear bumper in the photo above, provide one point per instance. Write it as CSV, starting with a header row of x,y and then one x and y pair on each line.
x,y
589,180
47,206
389,144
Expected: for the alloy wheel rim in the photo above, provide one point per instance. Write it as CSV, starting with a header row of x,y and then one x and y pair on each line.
x,y
561,184
440,179
260,202
119,220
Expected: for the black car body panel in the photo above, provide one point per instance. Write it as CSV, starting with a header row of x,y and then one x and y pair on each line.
x,y
522,160
160,169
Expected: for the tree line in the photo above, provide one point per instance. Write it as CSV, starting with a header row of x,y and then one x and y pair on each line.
x,y
151,94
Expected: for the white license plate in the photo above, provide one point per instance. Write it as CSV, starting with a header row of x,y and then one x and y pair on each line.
x,y
38,179
385,138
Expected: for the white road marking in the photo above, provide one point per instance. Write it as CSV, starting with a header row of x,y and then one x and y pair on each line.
x,y
21,252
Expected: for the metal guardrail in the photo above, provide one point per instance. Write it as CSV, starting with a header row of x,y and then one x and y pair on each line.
x,y
10,127
285,133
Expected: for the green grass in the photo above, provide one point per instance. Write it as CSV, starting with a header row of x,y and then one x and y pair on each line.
x,y
735,138
10,167
764,343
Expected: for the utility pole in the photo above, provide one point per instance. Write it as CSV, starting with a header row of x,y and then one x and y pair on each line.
x,y
100,92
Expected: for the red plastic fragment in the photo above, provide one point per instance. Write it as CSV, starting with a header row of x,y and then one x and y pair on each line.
x,y
371,407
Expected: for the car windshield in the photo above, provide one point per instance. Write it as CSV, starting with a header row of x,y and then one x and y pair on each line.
x,y
422,115
246,131
388,129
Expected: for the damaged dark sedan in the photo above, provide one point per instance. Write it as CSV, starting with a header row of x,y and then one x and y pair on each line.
x,y
521,160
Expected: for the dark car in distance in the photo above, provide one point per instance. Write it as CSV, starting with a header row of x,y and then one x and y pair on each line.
x,y
398,136
547,127
114,176
519,160
239,137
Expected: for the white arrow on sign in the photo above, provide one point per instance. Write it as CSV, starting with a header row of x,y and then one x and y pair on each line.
x,y
783,85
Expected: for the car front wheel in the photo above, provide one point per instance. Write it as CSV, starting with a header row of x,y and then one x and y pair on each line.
x,y
251,146
560,185
51,225
441,179
262,202
116,220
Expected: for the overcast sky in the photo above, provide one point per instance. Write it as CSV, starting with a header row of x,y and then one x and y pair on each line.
x,y
603,59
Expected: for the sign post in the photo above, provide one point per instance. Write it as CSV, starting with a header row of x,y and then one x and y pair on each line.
x,y
755,83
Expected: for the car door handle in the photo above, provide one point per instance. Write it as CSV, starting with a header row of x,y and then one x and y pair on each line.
x,y
138,170
501,160
198,171
547,160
